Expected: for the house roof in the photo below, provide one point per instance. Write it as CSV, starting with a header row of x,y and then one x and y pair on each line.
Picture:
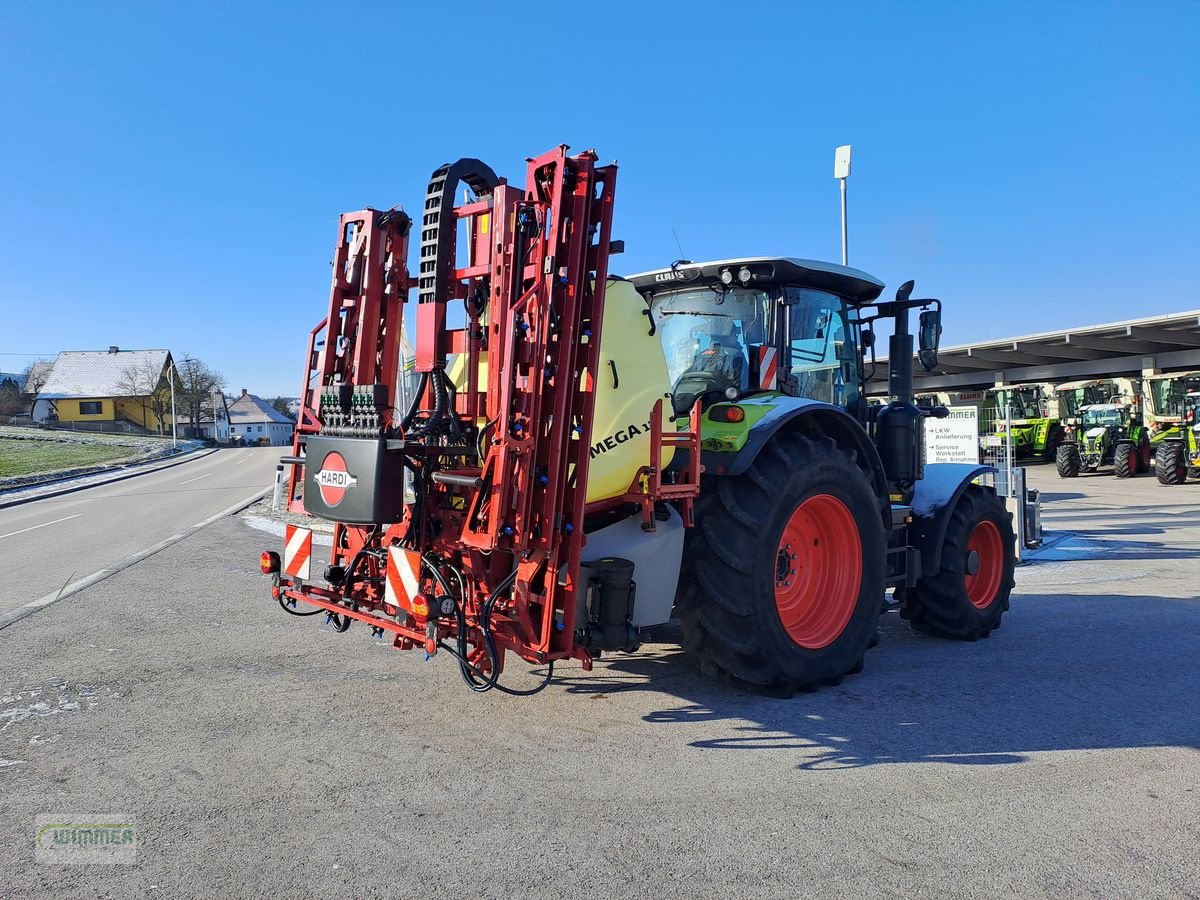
x,y
99,373
249,409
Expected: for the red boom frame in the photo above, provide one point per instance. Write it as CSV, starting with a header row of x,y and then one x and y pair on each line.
x,y
496,527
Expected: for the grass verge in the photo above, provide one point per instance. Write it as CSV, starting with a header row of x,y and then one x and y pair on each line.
x,y
22,457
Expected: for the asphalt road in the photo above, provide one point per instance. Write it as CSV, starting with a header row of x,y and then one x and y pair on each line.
x,y
263,755
52,542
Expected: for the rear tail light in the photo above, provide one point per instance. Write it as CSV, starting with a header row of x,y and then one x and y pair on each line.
x,y
269,562
727,414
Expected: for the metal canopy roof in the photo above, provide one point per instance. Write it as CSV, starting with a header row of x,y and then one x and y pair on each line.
x,y
1119,348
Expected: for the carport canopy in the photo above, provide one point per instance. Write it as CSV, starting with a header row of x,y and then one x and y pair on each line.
x,y
1133,348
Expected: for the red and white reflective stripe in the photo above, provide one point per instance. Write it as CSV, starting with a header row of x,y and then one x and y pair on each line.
x,y
768,368
297,551
403,576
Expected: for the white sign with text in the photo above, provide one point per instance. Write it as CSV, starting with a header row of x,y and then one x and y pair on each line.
x,y
954,439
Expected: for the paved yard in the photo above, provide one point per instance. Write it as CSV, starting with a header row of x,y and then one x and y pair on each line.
x,y
262,755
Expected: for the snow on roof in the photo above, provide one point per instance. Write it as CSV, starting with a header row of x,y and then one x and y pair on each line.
x,y
99,373
253,410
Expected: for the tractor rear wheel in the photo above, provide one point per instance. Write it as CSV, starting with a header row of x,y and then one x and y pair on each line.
x,y
1170,463
968,595
783,577
1125,464
1067,460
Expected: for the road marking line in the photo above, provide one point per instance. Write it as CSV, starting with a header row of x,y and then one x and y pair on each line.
x,y
43,525
242,460
75,587
197,478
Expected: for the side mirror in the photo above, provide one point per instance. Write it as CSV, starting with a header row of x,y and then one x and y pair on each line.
x,y
929,335
868,339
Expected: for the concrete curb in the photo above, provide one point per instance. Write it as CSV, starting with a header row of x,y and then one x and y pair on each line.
x,y
142,468
75,587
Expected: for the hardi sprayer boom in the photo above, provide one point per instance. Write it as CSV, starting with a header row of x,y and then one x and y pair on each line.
x,y
485,483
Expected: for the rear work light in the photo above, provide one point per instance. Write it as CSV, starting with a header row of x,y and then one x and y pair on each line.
x,y
269,562
727,414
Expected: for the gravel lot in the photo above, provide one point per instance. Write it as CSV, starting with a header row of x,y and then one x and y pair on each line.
x,y
263,755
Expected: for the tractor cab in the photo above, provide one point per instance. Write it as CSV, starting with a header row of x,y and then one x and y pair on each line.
x,y
1104,416
1023,401
1075,396
1191,411
732,328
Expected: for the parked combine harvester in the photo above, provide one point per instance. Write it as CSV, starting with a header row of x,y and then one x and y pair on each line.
x,y
1032,415
1173,410
1102,426
589,456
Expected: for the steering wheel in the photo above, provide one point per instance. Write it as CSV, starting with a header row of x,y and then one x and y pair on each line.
x,y
695,383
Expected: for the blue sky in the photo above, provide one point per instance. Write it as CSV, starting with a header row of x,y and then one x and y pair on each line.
x,y
171,174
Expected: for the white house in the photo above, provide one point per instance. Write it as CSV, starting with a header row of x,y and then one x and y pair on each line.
x,y
214,421
252,419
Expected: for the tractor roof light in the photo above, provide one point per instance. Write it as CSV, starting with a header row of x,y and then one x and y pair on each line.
x,y
744,275
268,562
727,278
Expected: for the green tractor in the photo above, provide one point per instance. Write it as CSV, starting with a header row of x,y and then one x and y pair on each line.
x,y
1168,400
1033,418
1102,426
1178,455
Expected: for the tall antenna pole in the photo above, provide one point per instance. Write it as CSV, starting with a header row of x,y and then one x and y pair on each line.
x,y
841,171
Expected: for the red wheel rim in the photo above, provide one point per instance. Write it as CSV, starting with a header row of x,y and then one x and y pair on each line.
x,y
818,571
988,550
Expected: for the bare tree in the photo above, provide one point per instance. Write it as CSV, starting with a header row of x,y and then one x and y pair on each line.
x,y
198,387
281,405
144,384
36,375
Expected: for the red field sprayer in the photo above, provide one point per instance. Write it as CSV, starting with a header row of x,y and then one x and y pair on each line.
x,y
542,493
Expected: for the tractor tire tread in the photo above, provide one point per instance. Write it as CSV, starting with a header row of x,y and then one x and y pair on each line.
x,y
723,618
938,604
1125,461
1067,460
1170,463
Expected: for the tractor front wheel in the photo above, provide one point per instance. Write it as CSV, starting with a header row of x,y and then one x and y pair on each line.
x,y
783,577
1125,464
968,595
1067,460
1170,463
1145,455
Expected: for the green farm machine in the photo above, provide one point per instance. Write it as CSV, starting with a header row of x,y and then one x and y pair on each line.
x,y
1173,413
1030,412
1102,426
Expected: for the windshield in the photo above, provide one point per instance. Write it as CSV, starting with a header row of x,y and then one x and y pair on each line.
x,y
1074,399
1169,395
1103,415
705,336
1026,403
822,346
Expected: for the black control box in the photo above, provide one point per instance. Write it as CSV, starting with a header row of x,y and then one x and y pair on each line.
x,y
353,480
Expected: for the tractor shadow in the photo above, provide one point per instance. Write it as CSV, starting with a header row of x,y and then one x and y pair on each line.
x,y
1066,672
